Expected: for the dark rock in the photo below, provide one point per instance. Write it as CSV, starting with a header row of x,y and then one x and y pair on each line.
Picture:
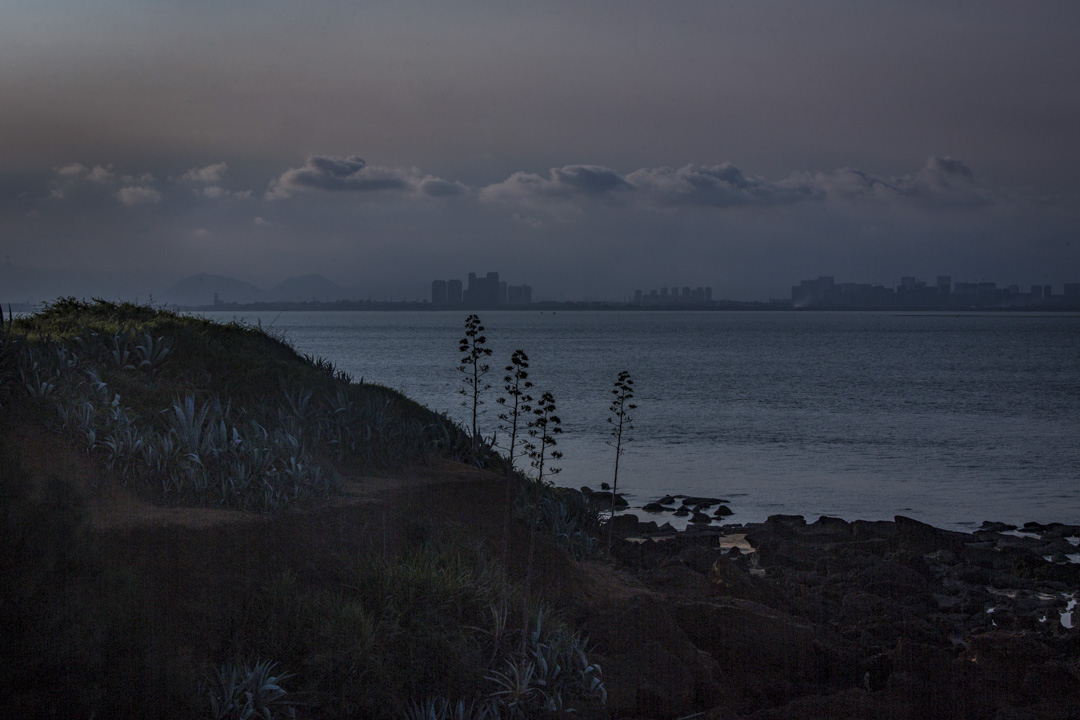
x,y
625,524
1006,656
651,668
829,527
703,501
918,537
666,529
762,641
655,507
788,522
666,500
699,559
605,486
996,526
700,518
862,607
723,511
897,582
873,530
683,511
603,497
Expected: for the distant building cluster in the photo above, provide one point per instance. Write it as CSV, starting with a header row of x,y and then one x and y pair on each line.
x,y
481,292
674,296
826,293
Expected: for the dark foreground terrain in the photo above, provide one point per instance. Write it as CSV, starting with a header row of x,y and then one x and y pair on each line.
x,y
851,620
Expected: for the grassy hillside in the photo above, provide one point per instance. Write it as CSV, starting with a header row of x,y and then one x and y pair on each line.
x,y
195,412
313,603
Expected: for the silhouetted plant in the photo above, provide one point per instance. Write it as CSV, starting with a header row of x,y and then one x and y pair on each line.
x,y
518,404
542,429
474,349
244,691
621,422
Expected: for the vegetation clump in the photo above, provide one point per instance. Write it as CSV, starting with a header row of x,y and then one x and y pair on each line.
x,y
197,413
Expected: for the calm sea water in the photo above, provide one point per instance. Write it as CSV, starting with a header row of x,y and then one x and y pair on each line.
x,y
952,419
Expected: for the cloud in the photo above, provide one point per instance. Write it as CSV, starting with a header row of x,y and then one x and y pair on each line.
x,y
942,182
216,192
565,183
712,186
209,174
202,232
138,196
261,222
437,187
352,174
77,171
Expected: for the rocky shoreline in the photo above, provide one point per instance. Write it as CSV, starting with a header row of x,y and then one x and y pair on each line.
x,y
838,619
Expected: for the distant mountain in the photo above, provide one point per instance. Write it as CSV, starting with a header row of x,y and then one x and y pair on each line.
x,y
200,290
309,287
30,285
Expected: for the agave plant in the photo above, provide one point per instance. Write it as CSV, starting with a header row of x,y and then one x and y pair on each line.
x,y
121,353
150,353
240,692
444,709
515,689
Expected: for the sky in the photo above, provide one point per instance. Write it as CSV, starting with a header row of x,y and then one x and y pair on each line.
x,y
587,149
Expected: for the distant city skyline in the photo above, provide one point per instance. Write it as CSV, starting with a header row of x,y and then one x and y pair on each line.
x,y
23,286
481,292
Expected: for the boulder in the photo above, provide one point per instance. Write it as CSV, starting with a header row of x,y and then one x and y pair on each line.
x,y
991,526
830,528
702,501
920,538
723,511
651,668
624,524
763,642
784,525
873,530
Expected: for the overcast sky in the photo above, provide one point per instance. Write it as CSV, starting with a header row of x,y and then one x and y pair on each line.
x,y
586,148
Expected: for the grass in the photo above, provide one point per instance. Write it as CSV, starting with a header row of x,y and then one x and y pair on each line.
x,y
194,412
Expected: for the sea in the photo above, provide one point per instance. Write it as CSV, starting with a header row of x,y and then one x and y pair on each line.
x,y
949,418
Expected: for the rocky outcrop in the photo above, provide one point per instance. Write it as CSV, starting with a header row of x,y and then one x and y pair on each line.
x,y
651,668
856,620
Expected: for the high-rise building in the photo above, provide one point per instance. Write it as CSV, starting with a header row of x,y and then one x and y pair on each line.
x,y
454,295
485,291
438,292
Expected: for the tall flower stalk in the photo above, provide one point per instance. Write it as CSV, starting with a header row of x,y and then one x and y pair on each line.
x,y
474,350
542,429
622,422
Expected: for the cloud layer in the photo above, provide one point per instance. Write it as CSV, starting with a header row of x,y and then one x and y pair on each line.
x,y
942,182
353,175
